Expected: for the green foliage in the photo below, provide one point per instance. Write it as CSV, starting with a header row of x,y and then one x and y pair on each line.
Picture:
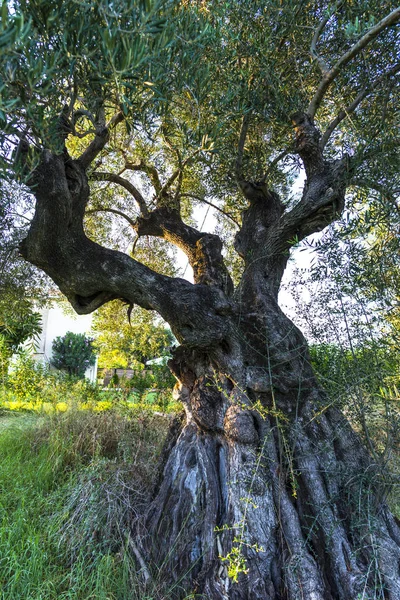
x,y
183,74
32,386
373,365
123,344
27,378
364,381
18,324
60,55
17,329
73,353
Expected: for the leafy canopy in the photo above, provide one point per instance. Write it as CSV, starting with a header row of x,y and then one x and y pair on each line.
x,y
182,76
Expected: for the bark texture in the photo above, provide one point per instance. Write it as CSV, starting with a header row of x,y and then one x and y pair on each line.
x,y
268,486
267,492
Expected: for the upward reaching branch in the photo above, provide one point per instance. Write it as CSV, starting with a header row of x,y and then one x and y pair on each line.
x,y
100,140
150,171
242,140
320,28
331,75
356,102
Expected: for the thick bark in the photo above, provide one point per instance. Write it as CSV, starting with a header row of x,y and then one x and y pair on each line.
x,y
267,492
266,484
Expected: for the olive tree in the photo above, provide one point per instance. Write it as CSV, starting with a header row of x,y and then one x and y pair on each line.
x,y
141,110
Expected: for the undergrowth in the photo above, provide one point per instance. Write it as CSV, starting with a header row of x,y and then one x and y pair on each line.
x,y
74,487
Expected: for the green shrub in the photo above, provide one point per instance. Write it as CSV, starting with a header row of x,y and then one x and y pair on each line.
x,y
73,353
27,377
18,323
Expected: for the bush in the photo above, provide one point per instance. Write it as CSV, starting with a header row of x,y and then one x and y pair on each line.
x,y
27,378
73,353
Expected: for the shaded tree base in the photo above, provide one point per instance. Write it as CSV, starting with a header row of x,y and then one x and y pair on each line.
x,y
296,515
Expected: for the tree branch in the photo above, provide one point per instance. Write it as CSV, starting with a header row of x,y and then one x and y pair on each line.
x,y
242,140
113,178
204,250
115,212
81,112
322,203
100,140
378,187
351,107
320,28
150,171
276,160
331,75
90,275
177,172
201,199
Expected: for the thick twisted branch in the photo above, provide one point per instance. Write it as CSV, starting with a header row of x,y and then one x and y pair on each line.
x,y
204,250
90,275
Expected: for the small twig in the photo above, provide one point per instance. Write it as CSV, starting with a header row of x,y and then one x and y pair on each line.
x,y
134,245
179,185
313,49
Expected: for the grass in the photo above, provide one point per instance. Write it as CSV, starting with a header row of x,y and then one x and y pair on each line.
x,y
71,486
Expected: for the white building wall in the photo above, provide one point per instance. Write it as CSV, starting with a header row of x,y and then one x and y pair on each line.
x,y
56,323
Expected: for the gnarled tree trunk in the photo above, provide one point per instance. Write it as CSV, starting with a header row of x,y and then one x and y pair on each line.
x,y
267,493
